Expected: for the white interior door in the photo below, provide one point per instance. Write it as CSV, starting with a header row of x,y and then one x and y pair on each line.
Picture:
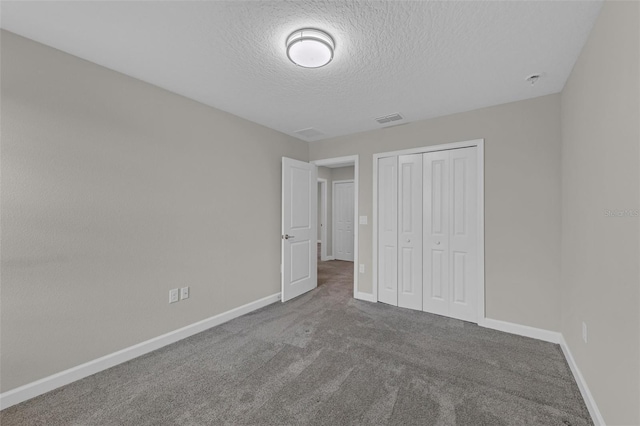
x,y
463,236
388,230
299,228
410,231
343,205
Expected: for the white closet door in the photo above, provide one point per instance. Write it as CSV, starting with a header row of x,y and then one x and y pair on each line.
x,y
436,232
410,231
463,240
388,230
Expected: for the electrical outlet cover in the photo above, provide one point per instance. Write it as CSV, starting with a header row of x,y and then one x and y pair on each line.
x,y
173,295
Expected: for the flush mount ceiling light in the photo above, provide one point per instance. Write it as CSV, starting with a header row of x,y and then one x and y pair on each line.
x,y
310,48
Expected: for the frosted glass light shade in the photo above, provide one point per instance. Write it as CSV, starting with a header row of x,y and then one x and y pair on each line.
x,y
310,48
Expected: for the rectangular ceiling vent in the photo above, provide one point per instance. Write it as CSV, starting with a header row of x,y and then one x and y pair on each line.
x,y
309,133
389,118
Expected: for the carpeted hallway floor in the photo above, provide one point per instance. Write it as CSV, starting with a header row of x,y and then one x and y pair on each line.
x,y
325,358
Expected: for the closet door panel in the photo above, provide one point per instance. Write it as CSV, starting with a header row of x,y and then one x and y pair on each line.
x,y
436,233
410,231
463,235
388,230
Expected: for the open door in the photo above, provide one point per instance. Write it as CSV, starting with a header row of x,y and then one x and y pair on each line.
x,y
299,228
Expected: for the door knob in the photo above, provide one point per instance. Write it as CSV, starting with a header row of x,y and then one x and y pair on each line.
x,y
437,243
288,237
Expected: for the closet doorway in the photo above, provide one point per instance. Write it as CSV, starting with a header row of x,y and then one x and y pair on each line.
x,y
429,229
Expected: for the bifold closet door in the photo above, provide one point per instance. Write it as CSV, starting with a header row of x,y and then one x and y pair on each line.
x,y
388,230
410,231
463,241
450,233
436,233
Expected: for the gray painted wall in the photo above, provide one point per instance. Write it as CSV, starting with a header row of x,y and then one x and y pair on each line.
x,y
319,215
113,192
342,173
600,172
522,199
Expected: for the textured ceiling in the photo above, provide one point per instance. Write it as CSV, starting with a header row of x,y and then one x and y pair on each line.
x,y
421,59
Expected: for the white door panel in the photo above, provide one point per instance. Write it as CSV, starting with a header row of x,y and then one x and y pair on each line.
x,y
299,228
343,210
436,232
464,234
410,231
388,230
450,233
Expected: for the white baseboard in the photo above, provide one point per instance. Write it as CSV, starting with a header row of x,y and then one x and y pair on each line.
x,y
596,416
553,337
367,297
521,330
39,387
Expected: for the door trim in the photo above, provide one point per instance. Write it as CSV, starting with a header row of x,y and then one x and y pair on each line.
x,y
333,213
323,219
479,144
347,161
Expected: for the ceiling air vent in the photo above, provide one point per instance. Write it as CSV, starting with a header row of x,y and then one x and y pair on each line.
x,y
309,133
389,118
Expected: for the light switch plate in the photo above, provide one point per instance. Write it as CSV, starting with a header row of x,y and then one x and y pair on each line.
x,y
184,293
363,220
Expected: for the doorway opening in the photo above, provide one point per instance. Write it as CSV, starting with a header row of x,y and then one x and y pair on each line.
x,y
338,220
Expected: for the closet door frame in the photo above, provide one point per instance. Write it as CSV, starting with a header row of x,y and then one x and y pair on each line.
x,y
479,144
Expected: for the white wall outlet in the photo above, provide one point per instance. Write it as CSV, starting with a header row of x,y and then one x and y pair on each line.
x,y
584,331
173,295
184,293
362,268
363,220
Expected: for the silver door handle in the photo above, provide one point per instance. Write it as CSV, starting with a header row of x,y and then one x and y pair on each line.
x,y
437,243
288,237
